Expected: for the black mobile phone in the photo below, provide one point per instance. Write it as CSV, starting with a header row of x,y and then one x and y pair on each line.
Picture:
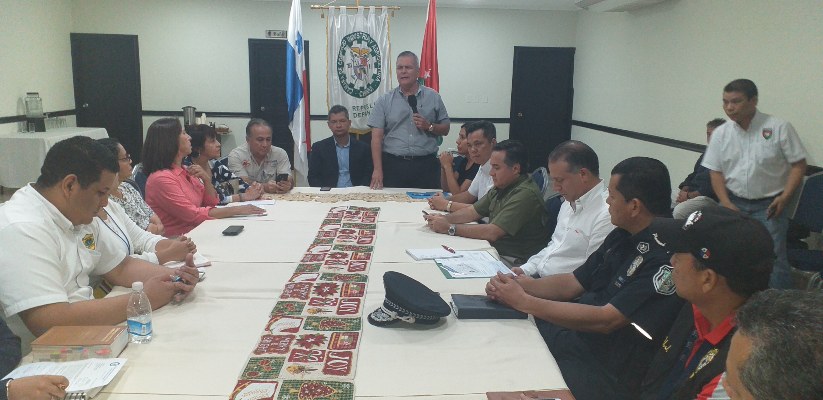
x,y
325,188
233,230
281,177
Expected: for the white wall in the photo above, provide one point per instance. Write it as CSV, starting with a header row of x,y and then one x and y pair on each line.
x,y
195,52
658,70
35,56
661,71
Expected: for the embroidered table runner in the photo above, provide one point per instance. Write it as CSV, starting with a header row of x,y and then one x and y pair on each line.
x,y
308,349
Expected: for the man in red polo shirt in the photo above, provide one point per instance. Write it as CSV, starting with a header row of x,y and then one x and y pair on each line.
x,y
720,258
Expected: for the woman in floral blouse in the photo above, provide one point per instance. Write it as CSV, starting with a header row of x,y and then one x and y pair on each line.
x,y
127,195
205,152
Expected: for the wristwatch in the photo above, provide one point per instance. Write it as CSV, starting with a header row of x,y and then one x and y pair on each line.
x,y
431,127
452,229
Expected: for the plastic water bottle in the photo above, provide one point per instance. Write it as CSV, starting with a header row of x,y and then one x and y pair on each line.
x,y
138,315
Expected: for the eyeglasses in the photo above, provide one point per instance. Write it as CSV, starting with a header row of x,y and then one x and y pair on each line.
x,y
126,158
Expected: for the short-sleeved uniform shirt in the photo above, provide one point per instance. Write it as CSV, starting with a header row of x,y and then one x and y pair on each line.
x,y
755,162
518,210
393,114
242,163
632,273
45,258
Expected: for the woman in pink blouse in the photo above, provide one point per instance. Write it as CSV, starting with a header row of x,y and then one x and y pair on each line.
x,y
181,197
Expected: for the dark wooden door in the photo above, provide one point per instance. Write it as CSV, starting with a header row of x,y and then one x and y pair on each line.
x,y
541,103
107,86
267,88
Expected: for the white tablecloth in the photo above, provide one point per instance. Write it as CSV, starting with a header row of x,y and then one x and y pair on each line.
x,y
22,154
201,346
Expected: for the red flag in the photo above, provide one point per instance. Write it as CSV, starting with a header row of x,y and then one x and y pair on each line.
x,y
428,57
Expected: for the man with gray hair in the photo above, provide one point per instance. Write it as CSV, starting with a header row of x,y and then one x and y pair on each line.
x,y
777,352
583,222
258,160
405,125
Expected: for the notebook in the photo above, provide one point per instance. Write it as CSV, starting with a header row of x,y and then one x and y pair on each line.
x,y
475,306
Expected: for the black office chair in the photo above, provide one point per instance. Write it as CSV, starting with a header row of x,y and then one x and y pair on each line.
x,y
809,262
139,178
553,205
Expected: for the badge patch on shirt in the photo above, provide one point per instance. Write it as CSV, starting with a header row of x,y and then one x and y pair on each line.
x,y
767,133
656,239
663,281
88,241
642,247
704,361
636,263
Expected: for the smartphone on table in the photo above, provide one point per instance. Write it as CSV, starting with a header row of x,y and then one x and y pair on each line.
x,y
233,230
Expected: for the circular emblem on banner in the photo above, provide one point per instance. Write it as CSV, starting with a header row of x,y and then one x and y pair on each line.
x,y
359,66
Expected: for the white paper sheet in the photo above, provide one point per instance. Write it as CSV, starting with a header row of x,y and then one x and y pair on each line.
x,y
83,375
473,264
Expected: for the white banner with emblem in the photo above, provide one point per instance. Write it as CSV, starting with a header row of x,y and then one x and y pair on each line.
x,y
358,61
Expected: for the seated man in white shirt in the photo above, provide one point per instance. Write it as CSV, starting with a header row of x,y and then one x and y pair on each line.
x,y
258,161
584,220
49,250
481,137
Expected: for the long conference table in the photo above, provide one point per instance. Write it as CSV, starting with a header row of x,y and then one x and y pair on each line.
x,y
201,346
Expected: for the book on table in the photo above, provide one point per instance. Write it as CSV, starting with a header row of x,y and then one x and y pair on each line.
x,y
476,306
70,343
86,377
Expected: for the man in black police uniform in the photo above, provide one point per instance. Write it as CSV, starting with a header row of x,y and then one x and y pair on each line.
x,y
721,258
625,292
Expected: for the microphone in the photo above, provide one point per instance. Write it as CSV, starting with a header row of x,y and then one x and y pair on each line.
x,y
413,103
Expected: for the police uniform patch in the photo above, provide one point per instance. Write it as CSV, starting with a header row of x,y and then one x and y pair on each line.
x,y
704,361
642,247
767,133
656,239
663,281
88,241
636,263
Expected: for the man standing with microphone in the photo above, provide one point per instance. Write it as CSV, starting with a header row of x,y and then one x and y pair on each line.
x,y
405,125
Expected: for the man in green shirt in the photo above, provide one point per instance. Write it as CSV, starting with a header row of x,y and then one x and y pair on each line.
x,y
517,218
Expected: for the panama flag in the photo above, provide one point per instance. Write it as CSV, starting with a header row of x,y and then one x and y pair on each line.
x,y
296,91
428,57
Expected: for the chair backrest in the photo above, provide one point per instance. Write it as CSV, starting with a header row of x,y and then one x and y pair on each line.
x,y
541,178
224,161
553,205
809,212
140,178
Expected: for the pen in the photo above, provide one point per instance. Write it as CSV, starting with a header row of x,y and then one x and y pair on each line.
x,y
424,212
449,249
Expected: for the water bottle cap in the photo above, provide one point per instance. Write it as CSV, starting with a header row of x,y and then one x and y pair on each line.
x,y
137,286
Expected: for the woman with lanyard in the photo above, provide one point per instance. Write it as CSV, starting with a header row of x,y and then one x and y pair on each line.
x,y
115,224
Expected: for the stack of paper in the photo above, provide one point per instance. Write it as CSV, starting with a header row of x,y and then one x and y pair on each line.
x,y
86,377
431,254
472,264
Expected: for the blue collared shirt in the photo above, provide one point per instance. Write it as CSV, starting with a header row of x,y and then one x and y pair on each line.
x,y
343,177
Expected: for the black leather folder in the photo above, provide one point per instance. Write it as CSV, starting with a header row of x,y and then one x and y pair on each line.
x,y
473,306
